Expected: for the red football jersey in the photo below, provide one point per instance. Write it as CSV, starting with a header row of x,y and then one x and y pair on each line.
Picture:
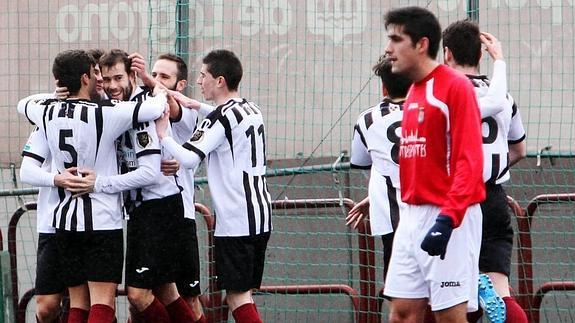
x,y
441,157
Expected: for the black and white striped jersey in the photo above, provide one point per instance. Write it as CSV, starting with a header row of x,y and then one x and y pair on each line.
x,y
498,131
139,155
232,139
36,149
82,134
375,146
376,139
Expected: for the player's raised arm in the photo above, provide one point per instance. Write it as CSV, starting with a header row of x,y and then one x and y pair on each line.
x,y
148,153
206,138
123,115
138,65
202,108
495,100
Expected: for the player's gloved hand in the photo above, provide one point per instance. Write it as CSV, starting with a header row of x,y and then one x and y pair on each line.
x,y
436,239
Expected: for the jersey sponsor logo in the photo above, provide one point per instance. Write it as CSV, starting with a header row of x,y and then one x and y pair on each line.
x,y
435,234
143,139
141,270
413,146
27,147
450,284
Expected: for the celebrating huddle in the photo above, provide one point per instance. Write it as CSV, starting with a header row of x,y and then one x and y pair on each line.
x,y
438,147
106,149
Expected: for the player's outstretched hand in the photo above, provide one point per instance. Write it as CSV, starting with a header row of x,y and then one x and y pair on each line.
x,y
138,65
169,167
358,213
436,239
185,101
492,45
61,92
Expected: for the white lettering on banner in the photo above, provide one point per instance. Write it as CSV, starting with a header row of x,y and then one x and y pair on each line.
x,y
336,19
119,20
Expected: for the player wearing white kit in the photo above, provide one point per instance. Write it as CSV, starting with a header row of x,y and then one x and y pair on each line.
x,y
35,170
81,134
232,140
501,127
153,202
375,146
172,72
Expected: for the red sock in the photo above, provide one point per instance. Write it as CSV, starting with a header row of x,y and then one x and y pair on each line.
x,y
155,312
101,313
77,315
179,311
429,317
515,314
247,313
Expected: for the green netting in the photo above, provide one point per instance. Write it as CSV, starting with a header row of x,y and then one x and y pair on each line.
x,y
308,65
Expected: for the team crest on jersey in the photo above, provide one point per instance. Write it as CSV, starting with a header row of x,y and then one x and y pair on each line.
x,y
198,135
143,139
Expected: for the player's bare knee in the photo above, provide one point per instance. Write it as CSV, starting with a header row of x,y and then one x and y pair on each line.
x,y
167,293
236,299
47,311
403,316
47,307
195,304
140,298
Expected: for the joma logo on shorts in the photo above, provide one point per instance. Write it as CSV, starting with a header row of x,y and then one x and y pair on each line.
x,y
450,284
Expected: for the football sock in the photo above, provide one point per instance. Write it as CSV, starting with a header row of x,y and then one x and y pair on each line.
x,y
247,313
179,311
515,313
101,313
77,315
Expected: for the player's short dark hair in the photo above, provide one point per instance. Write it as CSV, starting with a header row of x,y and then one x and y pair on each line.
x,y
114,57
69,66
96,53
462,39
222,62
396,85
182,66
417,23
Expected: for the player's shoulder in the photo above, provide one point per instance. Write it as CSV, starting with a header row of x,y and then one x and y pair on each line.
x,y
108,103
479,81
451,76
365,112
235,105
234,110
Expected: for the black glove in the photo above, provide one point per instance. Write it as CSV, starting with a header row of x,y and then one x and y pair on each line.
x,y
436,239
